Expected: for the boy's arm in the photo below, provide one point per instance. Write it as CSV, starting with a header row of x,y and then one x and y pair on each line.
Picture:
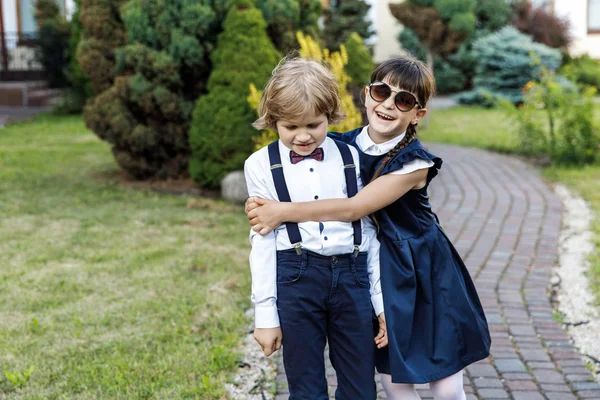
x,y
263,265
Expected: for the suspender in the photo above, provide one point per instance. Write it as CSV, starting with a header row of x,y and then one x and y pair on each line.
x,y
284,195
351,187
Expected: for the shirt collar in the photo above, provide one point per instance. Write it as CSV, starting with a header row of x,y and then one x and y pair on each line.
x,y
368,146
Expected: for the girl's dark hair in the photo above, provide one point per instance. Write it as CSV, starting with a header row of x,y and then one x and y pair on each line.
x,y
410,74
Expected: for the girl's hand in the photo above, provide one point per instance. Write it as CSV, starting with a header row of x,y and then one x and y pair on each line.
x,y
381,340
264,215
251,204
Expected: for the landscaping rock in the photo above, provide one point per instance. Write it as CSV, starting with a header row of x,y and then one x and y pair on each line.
x,y
233,187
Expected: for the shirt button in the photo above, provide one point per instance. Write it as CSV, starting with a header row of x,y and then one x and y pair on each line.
x,y
311,170
325,238
316,197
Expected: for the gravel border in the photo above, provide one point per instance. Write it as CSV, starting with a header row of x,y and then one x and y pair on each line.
x,y
255,377
572,295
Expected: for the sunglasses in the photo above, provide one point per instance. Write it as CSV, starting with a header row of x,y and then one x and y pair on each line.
x,y
405,101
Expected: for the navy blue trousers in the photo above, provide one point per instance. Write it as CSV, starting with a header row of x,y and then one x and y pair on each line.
x,y
320,299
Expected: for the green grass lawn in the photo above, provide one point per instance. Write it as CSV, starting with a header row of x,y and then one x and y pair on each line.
x,y
108,292
471,126
492,129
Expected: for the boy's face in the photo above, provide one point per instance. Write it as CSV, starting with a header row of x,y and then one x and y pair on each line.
x,y
303,134
386,121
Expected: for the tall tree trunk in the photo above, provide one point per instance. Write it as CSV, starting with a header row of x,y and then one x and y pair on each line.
x,y
425,120
429,58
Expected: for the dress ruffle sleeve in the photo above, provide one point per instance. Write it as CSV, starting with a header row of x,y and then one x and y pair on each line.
x,y
411,152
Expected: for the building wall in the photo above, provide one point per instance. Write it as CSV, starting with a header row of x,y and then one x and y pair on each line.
x,y
9,14
387,28
27,22
576,12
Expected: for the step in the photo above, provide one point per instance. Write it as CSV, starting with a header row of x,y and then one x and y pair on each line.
x,y
18,93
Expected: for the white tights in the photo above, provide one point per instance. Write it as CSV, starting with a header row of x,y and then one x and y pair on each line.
x,y
449,388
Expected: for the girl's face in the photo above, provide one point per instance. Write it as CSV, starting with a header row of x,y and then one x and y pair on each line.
x,y
303,134
386,121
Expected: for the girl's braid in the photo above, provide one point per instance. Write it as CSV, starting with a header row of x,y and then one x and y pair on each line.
x,y
411,133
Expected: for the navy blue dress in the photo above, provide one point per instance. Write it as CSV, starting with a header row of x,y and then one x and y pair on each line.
x,y
435,322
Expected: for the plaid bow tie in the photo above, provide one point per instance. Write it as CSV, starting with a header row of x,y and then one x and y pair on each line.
x,y
295,158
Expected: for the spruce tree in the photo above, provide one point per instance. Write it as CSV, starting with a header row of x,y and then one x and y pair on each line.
x,y
285,17
360,63
344,17
221,133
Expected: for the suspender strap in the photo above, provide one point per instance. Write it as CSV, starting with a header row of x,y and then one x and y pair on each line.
x,y
283,193
352,187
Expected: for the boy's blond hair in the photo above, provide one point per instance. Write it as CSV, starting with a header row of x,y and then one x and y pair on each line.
x,y
299,87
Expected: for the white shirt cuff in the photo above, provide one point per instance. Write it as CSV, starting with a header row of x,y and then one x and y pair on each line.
x,y
266,317
377,301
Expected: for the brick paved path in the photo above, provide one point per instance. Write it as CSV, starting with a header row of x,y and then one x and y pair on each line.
x,y
505,223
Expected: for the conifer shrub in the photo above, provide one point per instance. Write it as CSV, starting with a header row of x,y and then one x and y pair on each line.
x,y
147,84
53,41
78,86
342,18
505,63
221,132
360,62
102,33
285,17
454,71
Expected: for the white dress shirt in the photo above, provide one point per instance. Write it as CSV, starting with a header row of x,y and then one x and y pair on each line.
x,y
367,146
307,180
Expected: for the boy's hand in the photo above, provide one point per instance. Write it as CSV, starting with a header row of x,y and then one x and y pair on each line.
x,y
269,339
381,340
264,215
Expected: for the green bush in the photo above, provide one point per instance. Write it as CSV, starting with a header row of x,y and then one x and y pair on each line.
x,y
344,17
102,33
78,86
448,78
411,43
53,40
568,134
505,64
361,63
454,72
221,132
584,70
285,17
151,82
